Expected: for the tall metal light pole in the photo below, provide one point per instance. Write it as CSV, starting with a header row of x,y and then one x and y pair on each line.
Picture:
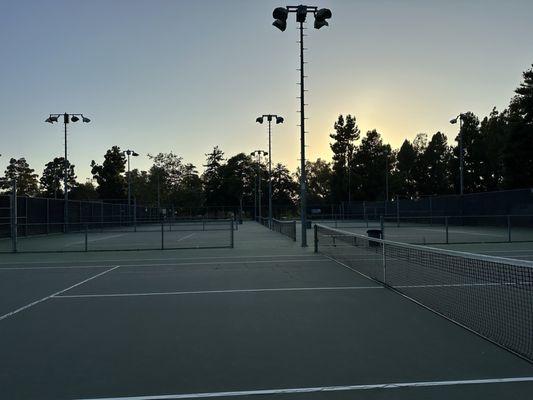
x,y
134,154
258,154
279,120
461,152
67,118
280,15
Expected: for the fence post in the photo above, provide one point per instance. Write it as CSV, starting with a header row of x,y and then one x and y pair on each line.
x,y
315,237
162,236
398,210
135,214
86,237
509,228
446,224
382,224
14,216
384,263
232,240
47,216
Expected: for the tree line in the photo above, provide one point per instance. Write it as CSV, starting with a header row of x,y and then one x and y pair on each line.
x,y
497,149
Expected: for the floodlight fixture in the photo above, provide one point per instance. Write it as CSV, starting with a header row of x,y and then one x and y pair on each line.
x,y
74,118
321,16
259,120
280,15
279,120
301,13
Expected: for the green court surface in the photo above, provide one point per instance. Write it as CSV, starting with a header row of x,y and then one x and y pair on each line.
x,y
266,319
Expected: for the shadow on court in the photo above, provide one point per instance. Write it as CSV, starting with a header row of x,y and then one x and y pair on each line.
x,y
267,319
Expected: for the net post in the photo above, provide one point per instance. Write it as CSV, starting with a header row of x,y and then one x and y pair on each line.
x,y
14,216
162,236
232,239
509,238
315,228
86,238
382,225
446,225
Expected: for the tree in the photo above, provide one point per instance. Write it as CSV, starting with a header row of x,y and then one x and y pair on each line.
x,y
190,193
212,175
319,176
84,191
111,182
405,170
436,159
473,157
518,157
346,133
53,176
522,103
25,176
165,176
371,161
284,187
493,130
236,180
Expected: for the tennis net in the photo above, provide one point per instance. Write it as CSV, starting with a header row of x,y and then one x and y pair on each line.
x,y
490,296
287,228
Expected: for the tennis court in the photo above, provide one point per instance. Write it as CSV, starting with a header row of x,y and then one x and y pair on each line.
x,y
265,319
85,237
443,230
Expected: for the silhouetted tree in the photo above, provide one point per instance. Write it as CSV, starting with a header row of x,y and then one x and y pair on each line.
x,y
369,166
284,187
319,175
436,159
83,191
346,133
25,176
405,170
53,175
493,130
212,177
109,175
518,157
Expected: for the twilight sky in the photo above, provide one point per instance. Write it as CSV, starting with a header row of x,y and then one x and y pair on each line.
x,y
183,76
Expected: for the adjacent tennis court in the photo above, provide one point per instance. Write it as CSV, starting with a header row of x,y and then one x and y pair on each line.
x,y
266,319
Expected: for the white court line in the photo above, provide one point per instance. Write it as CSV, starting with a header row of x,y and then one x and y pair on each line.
x,y
263,392
94,240
463,285
55,294
176,264
228,291
475,233
166,259
185,237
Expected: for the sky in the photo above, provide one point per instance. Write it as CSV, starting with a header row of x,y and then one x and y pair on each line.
x,y
183,76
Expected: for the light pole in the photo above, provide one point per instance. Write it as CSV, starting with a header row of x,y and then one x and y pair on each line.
x,y
258,154
279,120
460,118
134,154
280,15
67,118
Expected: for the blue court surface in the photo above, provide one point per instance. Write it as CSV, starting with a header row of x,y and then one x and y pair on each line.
x,y
264,320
